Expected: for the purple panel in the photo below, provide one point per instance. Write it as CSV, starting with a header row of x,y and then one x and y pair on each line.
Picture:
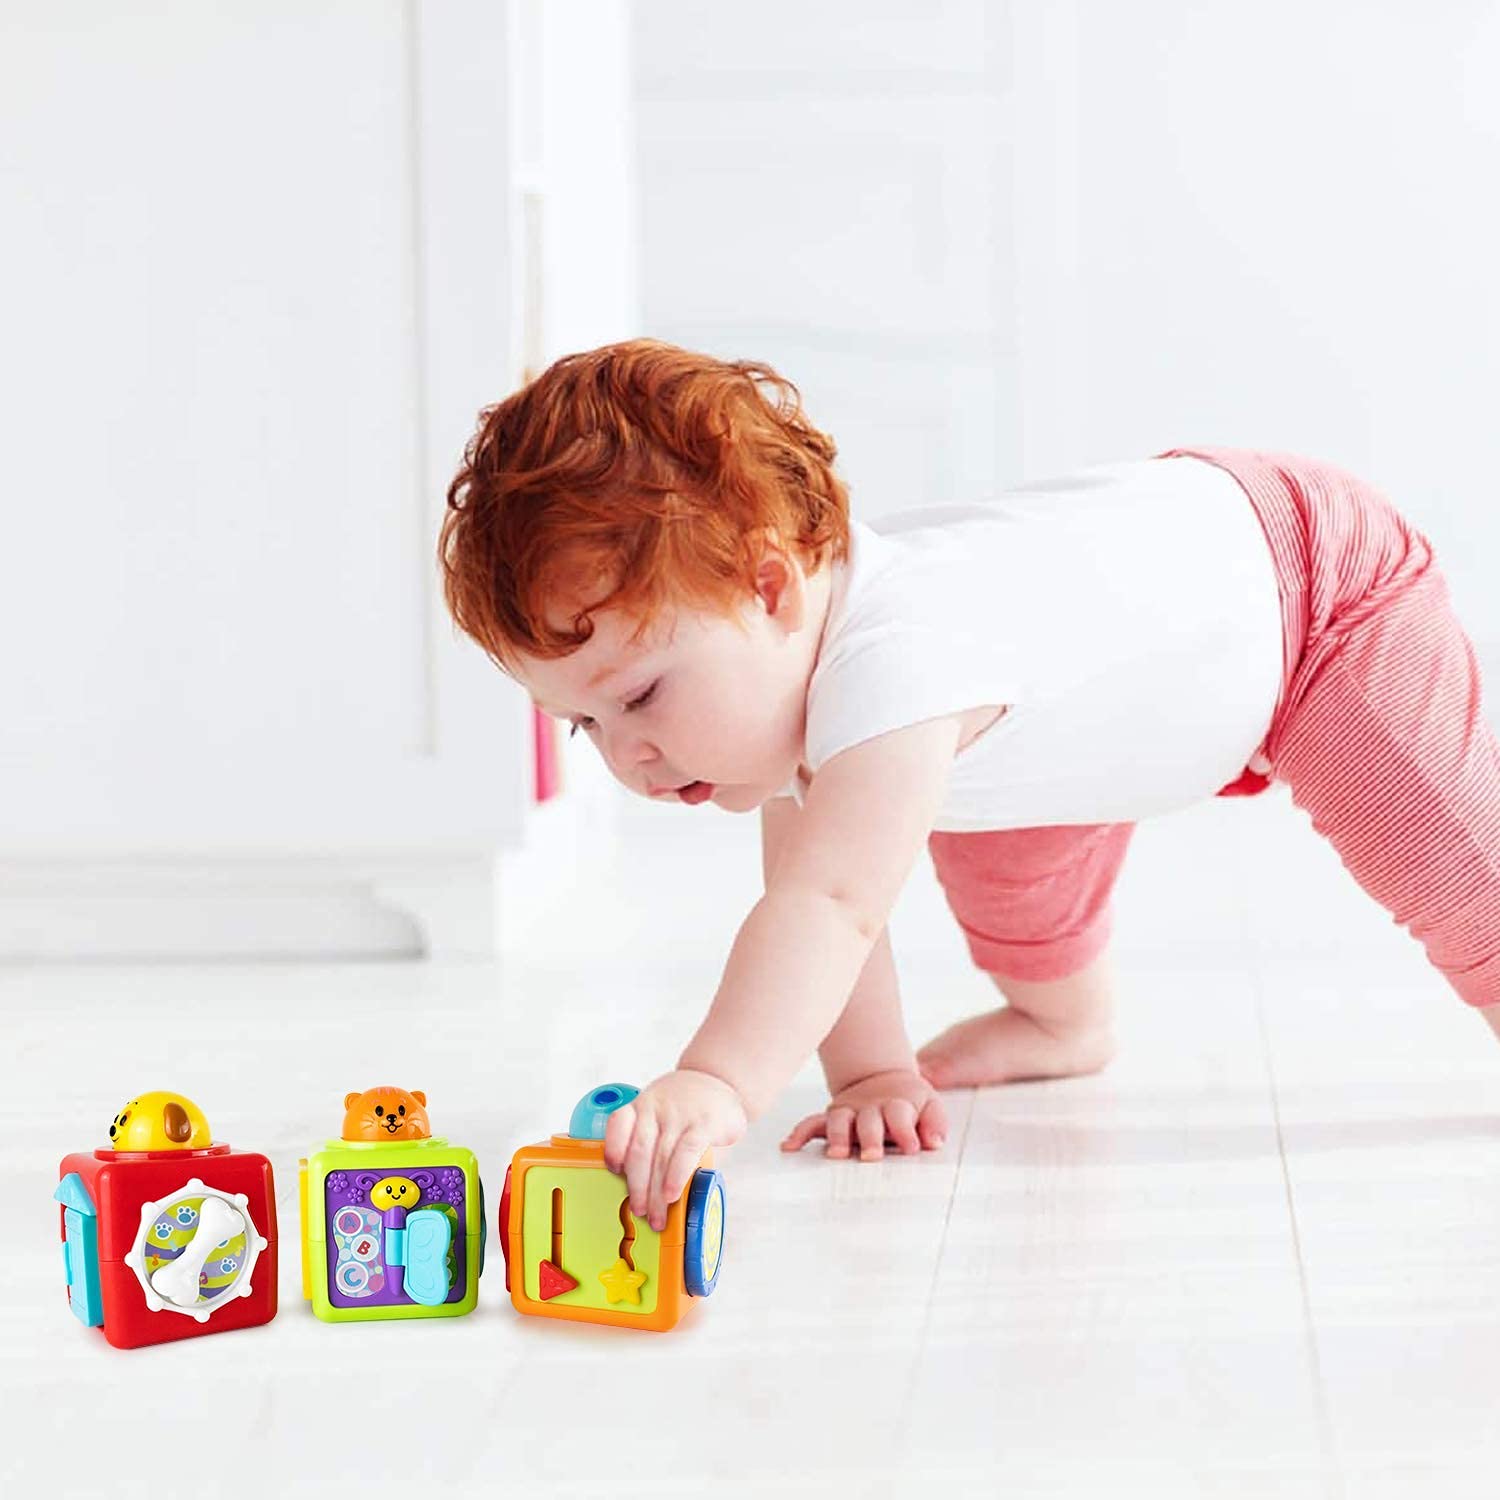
x,y
356,1233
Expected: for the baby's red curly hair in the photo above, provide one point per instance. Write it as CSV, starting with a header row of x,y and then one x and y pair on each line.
x,y
630,477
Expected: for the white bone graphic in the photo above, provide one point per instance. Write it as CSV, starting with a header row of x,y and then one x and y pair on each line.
x,y
237,1206
178,1280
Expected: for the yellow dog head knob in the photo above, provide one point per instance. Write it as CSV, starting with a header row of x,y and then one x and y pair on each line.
x,y
159,1122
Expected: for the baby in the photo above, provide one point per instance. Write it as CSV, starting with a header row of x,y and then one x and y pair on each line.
x,y
655,544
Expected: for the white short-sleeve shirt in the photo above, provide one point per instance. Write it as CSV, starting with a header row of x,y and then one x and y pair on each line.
x,y
1127,617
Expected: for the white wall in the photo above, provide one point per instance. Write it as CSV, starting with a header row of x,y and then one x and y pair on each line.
x,y
583,152
264,262
826,187
578,164
1289,231
997,240
208,310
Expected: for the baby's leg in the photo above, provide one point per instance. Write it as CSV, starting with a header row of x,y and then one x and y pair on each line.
x,y
1034,906
1389,752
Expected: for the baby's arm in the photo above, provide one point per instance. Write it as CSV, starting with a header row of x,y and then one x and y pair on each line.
x,y
871,1104
845,859
795,960
869,1036
876,1090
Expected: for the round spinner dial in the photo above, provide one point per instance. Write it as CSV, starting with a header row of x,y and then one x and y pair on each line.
x,y
703,1250
195,1250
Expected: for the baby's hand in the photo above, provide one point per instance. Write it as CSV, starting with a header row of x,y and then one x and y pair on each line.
x,y
900,1107
658,1138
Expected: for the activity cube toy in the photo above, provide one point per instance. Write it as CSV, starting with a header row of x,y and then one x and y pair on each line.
x,y
392,1216
166,1234
573,1249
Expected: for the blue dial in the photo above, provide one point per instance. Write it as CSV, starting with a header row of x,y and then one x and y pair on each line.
x,y
703,1251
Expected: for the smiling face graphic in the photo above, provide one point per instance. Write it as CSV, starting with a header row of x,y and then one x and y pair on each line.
x,y
395,1192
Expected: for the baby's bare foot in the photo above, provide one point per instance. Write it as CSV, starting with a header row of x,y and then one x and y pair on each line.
x,y
1003,1046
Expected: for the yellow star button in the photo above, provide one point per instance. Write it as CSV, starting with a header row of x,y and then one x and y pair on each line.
x,y
621,1282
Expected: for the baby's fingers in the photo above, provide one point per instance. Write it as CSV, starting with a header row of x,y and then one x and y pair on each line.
x,y
804,1131
656,1193
932,1124
686,1155
840,1121
901,1125
640,1154
871,1127
617,1133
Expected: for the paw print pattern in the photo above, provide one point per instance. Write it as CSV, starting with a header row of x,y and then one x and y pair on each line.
x,y
185,1214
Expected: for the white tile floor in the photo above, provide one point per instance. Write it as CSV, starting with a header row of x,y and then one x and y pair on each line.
x,y
1260,1255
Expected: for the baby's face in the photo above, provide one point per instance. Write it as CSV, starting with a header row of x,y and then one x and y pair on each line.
x,y
699,698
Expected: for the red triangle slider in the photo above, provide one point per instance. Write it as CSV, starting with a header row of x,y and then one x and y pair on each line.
x,y
553,1281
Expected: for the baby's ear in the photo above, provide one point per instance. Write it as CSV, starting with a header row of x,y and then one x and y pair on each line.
x,y
350,1098
420,1097
778,583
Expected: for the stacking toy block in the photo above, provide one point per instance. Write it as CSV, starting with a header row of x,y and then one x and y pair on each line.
x,y
573,1249
167,1235
392,1216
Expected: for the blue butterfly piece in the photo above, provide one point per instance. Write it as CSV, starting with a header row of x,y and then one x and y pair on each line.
x,y
423,1249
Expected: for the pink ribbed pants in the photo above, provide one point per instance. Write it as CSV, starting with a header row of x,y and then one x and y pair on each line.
x,y
1378,732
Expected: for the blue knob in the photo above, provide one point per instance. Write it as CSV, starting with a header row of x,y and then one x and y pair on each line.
x,y
592,1111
